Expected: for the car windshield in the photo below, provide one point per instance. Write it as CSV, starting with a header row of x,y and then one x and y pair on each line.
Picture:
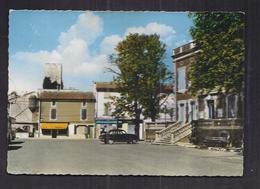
x,y
122,132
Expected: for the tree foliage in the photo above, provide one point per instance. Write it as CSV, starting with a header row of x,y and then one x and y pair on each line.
x,y
141,72
220,65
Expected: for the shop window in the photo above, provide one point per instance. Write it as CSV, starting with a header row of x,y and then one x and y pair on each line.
x,y
83,114
53,114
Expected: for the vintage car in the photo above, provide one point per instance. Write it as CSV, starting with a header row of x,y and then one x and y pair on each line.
x,y
117,135
222,140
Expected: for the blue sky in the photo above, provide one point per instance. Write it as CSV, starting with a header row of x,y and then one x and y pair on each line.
x,y
81,42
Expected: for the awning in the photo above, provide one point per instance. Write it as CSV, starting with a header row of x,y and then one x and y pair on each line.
x,y
54,125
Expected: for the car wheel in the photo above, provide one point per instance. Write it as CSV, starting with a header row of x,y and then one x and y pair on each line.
x,y
134,141
110,141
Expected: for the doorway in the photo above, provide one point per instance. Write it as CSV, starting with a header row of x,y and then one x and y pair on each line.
x,y
181,113
211,109
193,111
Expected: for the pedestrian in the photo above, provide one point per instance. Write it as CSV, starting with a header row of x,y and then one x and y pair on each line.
x,y
103,131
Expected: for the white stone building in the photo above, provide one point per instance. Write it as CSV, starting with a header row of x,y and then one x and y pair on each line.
x,y
103,92
19,108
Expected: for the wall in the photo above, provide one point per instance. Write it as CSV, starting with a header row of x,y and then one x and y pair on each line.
x,y
101,99
67,111
20,111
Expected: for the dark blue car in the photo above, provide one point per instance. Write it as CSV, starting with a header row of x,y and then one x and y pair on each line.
x,y
117,135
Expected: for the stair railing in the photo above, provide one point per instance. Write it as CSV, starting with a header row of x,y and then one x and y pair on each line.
x,y
180,132
166,132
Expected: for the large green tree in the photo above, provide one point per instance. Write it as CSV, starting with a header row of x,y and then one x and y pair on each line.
x,y
220,64
141,72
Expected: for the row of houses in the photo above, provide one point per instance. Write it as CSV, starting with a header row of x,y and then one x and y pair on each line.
x,y
73,113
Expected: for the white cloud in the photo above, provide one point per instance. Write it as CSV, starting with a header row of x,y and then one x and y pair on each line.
x,y
73,49
181,42
75,55
167,33
38,57
26,82
109,43
87,27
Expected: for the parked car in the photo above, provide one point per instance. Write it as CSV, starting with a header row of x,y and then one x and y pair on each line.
x,y
117,135
222,140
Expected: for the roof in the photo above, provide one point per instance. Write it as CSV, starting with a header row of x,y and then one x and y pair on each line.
x,y
106,86
110,86
66,95
167,88
185,50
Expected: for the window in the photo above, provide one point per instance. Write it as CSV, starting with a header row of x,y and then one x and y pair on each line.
x,y
181,78
84,103
83,114
53,114
107,95
53,103
232,106
107,109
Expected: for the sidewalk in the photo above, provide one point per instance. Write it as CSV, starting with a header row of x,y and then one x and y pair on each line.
x,y
186,144
76,137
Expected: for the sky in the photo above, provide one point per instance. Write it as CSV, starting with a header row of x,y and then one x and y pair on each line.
x,y
81,41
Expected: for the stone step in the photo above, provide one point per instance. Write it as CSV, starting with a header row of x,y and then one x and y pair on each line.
x,y
163,141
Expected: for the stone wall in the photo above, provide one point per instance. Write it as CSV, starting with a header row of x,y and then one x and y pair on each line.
x,y
213,128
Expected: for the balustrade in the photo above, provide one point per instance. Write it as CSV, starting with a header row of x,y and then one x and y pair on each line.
x,y
166,132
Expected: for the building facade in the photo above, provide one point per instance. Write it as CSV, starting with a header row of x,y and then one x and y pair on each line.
x,y
217,113
216,105
66,113
25,118
105,91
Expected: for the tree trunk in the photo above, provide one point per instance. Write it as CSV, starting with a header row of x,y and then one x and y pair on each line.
x,y
137,130
137,118
137,125
153,118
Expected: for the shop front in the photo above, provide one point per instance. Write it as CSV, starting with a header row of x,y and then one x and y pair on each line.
x,y
54,129
105,125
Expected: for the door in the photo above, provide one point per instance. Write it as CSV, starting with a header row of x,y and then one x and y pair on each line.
x,y
181,113
193,111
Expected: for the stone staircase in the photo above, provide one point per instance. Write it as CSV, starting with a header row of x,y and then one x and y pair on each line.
x,y
173,133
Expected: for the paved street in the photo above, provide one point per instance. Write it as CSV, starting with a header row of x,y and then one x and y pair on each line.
x,y
58,156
